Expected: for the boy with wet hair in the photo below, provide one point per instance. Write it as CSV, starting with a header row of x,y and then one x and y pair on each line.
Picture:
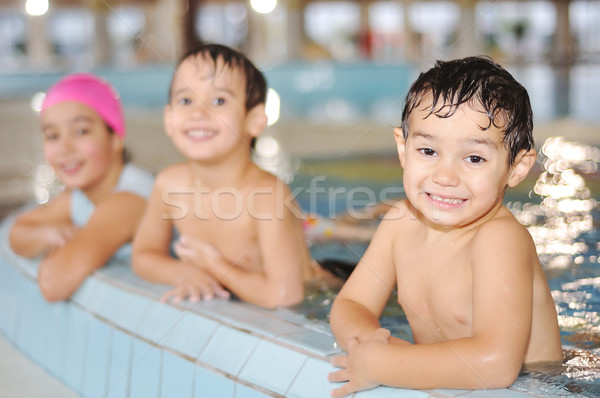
x,y
466,271
240,230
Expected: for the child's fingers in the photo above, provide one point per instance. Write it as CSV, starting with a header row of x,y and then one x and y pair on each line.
x,y
342,391
167,296
382,335
338,376
340,361
221,293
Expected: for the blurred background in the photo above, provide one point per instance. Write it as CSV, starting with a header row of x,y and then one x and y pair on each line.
x,y
338,72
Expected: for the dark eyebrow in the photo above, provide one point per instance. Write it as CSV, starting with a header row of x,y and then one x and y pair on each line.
x,y
422,134
482,141
225,89
474,141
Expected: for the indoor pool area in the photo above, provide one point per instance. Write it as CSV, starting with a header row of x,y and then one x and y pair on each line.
x,y
114,338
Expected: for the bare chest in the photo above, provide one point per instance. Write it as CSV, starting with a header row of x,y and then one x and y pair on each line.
x,y
435,291
223,220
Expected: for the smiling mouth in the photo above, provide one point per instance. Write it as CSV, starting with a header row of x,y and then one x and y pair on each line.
x,y
71,166
200,134
446,201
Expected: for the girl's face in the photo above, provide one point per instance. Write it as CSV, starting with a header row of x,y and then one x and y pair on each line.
x,y
78,144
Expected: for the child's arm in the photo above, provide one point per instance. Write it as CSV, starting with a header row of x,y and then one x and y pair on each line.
x,y
490,357
283,251
356,310
151,258
43,229
112,224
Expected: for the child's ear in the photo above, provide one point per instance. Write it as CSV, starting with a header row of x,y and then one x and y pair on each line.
x,y
400,144
521,167
256,120
118,143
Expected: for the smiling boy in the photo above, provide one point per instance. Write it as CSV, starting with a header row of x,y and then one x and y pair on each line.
x,y
466,271
239,231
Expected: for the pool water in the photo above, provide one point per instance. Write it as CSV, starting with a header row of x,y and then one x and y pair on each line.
x,y
559,208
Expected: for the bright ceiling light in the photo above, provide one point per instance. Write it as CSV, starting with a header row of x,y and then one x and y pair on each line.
x,y
263,6
36,7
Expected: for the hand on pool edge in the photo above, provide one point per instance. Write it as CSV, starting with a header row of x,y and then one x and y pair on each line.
x,y
354,366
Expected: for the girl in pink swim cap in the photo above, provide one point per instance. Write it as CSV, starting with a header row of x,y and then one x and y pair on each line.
x,y
97,213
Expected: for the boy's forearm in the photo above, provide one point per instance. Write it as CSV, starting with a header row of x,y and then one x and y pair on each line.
x,y
461,364
255,287
350,319
160,268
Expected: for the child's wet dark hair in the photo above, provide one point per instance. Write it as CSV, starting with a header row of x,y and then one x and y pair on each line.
x,y
486,87
256,84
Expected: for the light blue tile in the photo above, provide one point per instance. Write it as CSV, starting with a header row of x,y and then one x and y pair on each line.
x,y
107,301
228,349
271,326
145,372
85,293
12,311
56,337
229,311
31,302
212,384
496,393
190,334
120,365
133,313
97,359
76,349
449,392
273,366
313,341
177,376
243,391
390,392
312,380
159,319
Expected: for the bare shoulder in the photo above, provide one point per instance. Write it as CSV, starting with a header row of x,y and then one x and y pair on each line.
x,y
504,234
176,174
268,191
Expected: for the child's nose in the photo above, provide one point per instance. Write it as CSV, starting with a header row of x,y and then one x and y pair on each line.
x,y
446,174
66,144
201,109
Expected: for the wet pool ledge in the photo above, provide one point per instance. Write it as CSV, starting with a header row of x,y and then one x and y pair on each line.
x,y
115,339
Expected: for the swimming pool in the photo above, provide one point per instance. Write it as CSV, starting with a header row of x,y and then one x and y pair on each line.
x,y
115,337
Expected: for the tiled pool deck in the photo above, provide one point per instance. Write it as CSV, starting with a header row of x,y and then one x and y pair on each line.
x,y
115,339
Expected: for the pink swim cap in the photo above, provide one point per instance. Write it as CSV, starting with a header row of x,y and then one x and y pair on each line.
x,y
93,92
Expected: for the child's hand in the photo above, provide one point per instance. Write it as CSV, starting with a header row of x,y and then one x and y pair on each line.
x,y
354,365
196,251
57,235
197,287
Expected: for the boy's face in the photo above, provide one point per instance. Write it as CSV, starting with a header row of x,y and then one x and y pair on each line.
x,y
455,173
206,117
78,144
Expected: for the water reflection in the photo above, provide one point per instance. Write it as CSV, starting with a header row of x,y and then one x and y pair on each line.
x,y
566,207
